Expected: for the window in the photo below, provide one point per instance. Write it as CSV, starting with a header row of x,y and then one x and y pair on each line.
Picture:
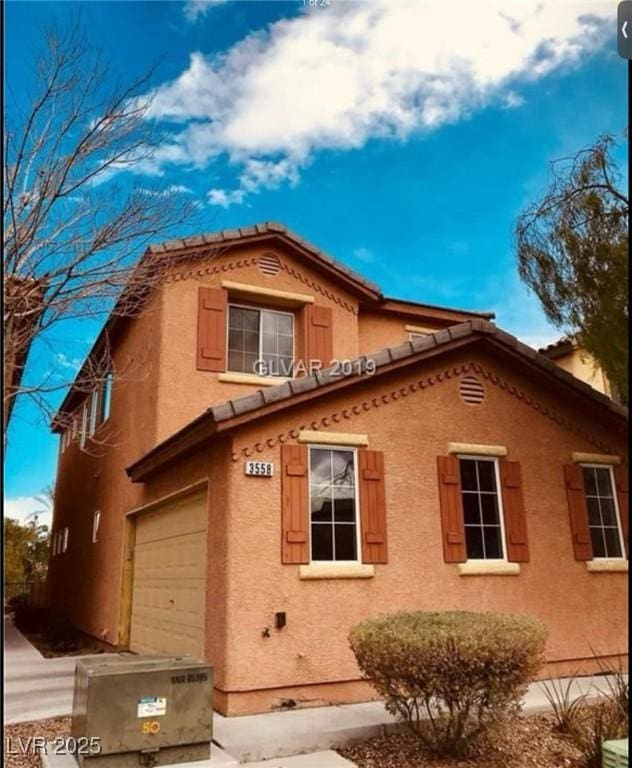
x,y
64,546
84,425
106,397
482,513
260,341
333,508
603,513
94,405
96,519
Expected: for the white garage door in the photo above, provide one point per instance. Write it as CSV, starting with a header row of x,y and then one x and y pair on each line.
x,y
169,587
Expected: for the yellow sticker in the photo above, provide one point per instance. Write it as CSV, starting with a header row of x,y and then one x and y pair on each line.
x,y
151,726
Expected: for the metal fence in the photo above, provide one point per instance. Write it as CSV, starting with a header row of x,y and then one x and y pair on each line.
x,y
34,591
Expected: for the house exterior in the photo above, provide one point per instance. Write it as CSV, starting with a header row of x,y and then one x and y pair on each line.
x,y
569,354
295,452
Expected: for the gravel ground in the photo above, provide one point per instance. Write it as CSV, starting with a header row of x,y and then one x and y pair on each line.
x,y
530,742
16,740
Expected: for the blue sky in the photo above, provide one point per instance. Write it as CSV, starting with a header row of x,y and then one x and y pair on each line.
x,y
401,142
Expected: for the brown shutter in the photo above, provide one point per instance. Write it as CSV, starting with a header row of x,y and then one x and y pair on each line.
x,y
578,511
454,550
621,480
295,504
372,506
320,345
211,342
514,514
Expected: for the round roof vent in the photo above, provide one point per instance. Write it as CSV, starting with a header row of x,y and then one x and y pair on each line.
x,y
471,390
269,264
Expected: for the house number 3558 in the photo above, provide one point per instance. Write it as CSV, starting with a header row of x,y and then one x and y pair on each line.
x,y
259,468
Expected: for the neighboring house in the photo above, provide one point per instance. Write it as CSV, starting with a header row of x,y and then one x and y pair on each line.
x,y
568,353
253,518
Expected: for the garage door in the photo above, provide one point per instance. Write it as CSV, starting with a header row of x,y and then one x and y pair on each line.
x,y
169,583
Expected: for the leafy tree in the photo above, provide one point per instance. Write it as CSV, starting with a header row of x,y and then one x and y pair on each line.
x,y
25,549
572,248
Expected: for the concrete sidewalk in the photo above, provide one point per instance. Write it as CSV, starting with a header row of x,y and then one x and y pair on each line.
x,y
35,688
38,688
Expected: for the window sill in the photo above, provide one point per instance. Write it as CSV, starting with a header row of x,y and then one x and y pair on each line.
x,y
607,566
336,571
251,378
482,568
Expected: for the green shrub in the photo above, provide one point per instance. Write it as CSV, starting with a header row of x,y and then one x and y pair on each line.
x,y
450,676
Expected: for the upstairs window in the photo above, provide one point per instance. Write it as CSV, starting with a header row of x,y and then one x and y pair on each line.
x,y
603,513
333,509
482,513
106,397
260,341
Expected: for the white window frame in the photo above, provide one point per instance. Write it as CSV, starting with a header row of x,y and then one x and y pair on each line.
x,y
501,510
260,344
94,405
83,434
615,497
356,504
96,519
65,537
106,398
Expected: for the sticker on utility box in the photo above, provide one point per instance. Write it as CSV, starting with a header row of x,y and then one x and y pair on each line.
x,y
152,706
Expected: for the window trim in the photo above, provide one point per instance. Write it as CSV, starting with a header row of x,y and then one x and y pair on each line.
x,y
356,500
615,497
106,397
64,541
237,305
94,405
501,509
83,434
96,520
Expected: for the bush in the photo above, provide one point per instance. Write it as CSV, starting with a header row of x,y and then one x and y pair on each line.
x,y
56,631
594,724
451,676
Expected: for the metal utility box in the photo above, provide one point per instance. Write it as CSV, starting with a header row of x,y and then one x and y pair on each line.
x,y
131,711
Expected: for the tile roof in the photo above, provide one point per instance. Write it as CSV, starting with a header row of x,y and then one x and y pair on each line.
x,y
264,228
256,404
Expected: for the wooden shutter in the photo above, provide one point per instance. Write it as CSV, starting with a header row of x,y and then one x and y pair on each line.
x,y
454,550
211,341
372,506
295,504
514,513
621,481
578,510
319,334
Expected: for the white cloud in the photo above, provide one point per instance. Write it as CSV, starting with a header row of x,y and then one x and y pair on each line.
x,y
364,255
512,100
334,78
22,508
193,9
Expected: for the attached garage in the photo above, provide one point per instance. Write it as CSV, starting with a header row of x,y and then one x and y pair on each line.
x,y
169,577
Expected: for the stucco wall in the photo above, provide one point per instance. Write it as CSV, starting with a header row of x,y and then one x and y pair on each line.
x,y
85,580
178,371
584,367
380,330
580,608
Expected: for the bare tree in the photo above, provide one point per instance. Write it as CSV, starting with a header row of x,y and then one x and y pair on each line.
x,y
72,229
